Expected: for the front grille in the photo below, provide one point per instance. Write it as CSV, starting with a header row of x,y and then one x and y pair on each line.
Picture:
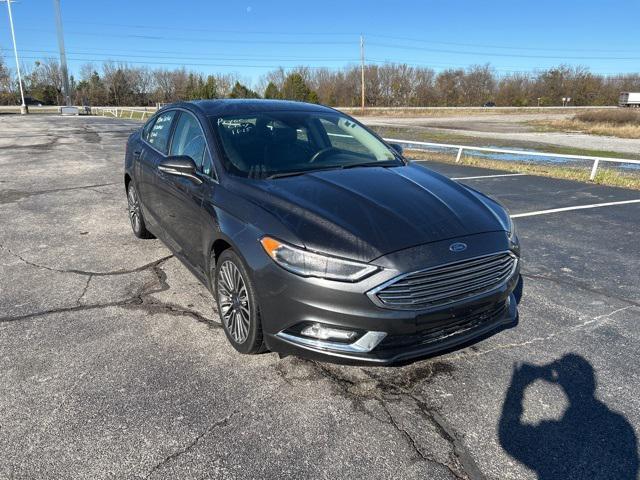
x,y
447,283
441,329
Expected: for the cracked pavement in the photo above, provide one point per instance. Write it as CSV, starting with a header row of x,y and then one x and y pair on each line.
x,y
113,363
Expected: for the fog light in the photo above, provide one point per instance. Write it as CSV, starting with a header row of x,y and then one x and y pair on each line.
x,y
322,332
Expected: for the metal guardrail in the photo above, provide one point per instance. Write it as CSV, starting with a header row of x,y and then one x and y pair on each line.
x,y
461,148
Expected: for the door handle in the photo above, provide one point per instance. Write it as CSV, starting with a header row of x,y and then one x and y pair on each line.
x,y
136,154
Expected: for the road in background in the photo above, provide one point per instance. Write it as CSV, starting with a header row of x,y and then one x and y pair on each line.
x,y
113,363
503,129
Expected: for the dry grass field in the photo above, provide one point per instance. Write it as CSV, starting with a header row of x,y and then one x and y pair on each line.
x,y
616,123
435,112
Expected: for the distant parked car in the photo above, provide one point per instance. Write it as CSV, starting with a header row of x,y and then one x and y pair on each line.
x,y
33,102
489,104
318,238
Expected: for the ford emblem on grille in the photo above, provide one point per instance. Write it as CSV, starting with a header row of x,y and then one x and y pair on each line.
x,y
458,247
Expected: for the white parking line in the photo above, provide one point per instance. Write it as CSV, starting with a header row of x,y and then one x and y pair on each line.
x,y
579,207
490,176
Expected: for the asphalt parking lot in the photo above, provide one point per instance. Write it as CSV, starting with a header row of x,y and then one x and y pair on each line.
x,y
113,364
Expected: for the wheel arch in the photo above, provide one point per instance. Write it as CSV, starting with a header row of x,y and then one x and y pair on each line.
x,y
219,245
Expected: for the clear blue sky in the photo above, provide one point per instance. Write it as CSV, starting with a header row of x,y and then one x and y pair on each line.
x,y
252,37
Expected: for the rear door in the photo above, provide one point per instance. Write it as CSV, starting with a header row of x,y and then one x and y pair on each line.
x,y
182,197
155,145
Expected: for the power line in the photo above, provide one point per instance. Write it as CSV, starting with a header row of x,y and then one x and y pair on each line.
x,y
177,64
179,55
494,54
510,47
201,40
503,69
383,45
353,34
325,33
125,59
313,67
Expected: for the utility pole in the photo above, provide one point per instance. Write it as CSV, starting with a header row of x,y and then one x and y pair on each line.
x,y
362,69
23,108
63,55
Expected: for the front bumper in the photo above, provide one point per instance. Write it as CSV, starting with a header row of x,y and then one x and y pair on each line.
x,y
287,301
397,348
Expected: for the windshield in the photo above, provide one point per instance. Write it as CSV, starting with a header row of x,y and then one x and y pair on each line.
x,y
267,144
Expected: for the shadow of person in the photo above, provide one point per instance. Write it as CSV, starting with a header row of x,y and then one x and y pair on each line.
x,y
588,442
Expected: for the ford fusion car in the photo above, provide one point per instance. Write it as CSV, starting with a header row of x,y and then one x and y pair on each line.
x,y
316,237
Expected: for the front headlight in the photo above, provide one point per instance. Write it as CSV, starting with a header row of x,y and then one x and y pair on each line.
x,y
505,219
511,227
513,233
308,264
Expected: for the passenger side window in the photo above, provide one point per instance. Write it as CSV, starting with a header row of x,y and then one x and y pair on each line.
x,y
147,129
207,165
159,133
188,139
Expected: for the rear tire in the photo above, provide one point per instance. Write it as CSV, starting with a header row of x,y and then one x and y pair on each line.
x,y
135,213
237,303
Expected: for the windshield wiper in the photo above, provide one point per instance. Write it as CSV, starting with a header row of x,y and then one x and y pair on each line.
x,y
294,173
379,163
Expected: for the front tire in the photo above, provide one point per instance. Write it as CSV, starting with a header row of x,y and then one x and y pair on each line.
x,y
237,304
135,213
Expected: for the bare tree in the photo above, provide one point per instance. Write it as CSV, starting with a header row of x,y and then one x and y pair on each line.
x,y
515,90
144,84
225,83
386,84
478,85
424,92
8,94
449,85
165,86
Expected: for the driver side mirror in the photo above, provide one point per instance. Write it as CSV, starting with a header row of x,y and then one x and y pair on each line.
x,y
180,165
397,147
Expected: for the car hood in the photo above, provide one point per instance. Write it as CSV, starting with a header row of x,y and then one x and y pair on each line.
x,y
364,213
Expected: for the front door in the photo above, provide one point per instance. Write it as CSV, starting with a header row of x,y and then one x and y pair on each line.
x,y
183,216
154,148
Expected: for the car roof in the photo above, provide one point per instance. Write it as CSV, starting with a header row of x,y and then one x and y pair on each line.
x,y
241,106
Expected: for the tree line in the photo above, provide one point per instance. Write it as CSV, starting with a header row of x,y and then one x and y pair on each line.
x,y
388,85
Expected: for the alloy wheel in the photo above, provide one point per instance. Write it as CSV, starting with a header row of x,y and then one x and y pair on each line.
x,y
233,299
134,209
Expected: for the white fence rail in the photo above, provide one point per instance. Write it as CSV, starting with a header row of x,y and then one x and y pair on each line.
x,y
532,108
461,148
124,112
